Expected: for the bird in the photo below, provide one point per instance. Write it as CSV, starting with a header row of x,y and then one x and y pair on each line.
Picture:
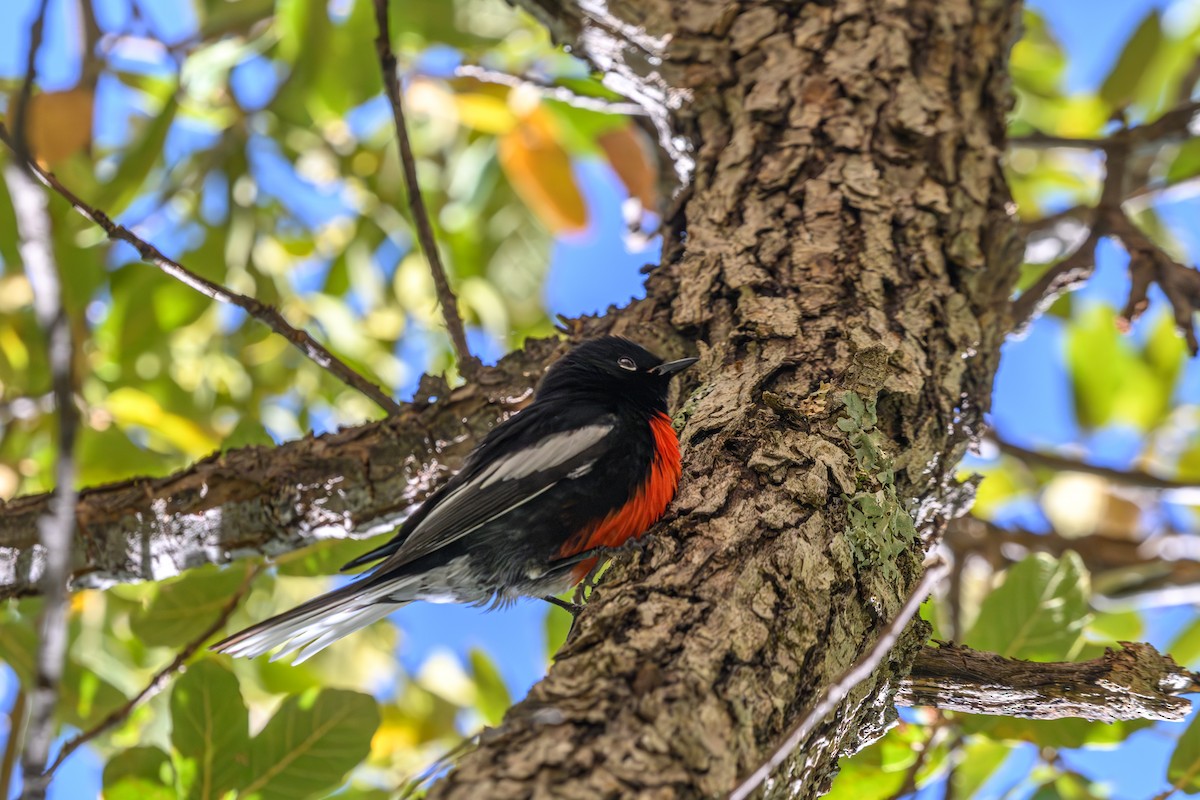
x,y
589,465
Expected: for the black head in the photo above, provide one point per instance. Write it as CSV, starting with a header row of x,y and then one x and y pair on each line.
x,y
612,368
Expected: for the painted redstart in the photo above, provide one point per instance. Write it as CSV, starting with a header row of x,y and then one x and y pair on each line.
x,y
590,464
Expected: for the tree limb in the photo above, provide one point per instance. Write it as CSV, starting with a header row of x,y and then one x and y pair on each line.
x,y
267,500
1135,682
1138,478
268,315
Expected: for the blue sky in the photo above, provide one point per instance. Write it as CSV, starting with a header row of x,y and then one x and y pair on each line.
x,y
1031,404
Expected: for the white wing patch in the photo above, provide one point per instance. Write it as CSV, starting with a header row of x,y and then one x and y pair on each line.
x,y
546,454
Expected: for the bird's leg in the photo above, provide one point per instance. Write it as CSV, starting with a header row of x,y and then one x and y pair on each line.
x,y
571,608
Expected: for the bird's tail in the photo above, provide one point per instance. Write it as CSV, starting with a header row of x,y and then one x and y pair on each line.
x,y
315,625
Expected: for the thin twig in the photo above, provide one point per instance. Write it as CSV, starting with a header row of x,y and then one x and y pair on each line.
x,y
467,364
57,527
1054,461
260,311
161,678
837,691
21,110
1171,126
16,732
550,91
909,786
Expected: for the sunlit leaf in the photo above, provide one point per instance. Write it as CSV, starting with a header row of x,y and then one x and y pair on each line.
x,y
1122,81
310,744
140,773
491,695
210,728
1184,769
184,606
1038,613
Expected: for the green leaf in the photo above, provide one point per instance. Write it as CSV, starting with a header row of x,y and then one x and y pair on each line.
x,y
310,744
141,773
1110,382
558,625
210,727
138,159
1122,82
185,605
1184,769
1186,164
1186,647
1038,613
1058,733
980,760
492,698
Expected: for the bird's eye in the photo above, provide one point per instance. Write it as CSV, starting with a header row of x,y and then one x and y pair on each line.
x,y
625,362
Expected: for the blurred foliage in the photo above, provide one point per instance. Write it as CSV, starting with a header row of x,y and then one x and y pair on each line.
x,y
256,148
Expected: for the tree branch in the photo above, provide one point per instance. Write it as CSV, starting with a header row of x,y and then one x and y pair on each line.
x,y
549,91
468,365
21,107
263,501
1148,263
1054,461
161,678
57,521
1135,682
1172,126
268,315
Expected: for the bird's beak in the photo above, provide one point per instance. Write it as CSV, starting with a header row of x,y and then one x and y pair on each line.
x,y
671,367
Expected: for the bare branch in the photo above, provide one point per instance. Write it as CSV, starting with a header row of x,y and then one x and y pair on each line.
x,y
1135,682
1058,462
21,109
1172,126
57,524
268,315
12,747
1149,263
161,678
837,691
468,365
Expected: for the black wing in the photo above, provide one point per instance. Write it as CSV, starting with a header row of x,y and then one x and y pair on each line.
x,y
500,477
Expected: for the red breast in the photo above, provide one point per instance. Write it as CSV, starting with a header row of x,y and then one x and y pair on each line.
x,y
642,510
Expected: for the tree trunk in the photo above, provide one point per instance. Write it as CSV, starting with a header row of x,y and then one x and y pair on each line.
x,y
845,246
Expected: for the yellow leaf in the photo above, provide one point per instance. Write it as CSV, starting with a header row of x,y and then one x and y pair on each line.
x,y
129,406
57,124
626,151
539,169
484,112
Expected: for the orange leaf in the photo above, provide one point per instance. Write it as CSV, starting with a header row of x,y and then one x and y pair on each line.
x,y
626,149
57,124
539,170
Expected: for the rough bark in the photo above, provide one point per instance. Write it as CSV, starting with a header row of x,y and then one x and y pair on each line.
x,y
1135,682
846,231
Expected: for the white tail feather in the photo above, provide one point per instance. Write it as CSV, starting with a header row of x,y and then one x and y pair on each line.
x,y
313,626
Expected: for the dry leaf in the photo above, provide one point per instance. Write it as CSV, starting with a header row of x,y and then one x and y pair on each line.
x,y
57,124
